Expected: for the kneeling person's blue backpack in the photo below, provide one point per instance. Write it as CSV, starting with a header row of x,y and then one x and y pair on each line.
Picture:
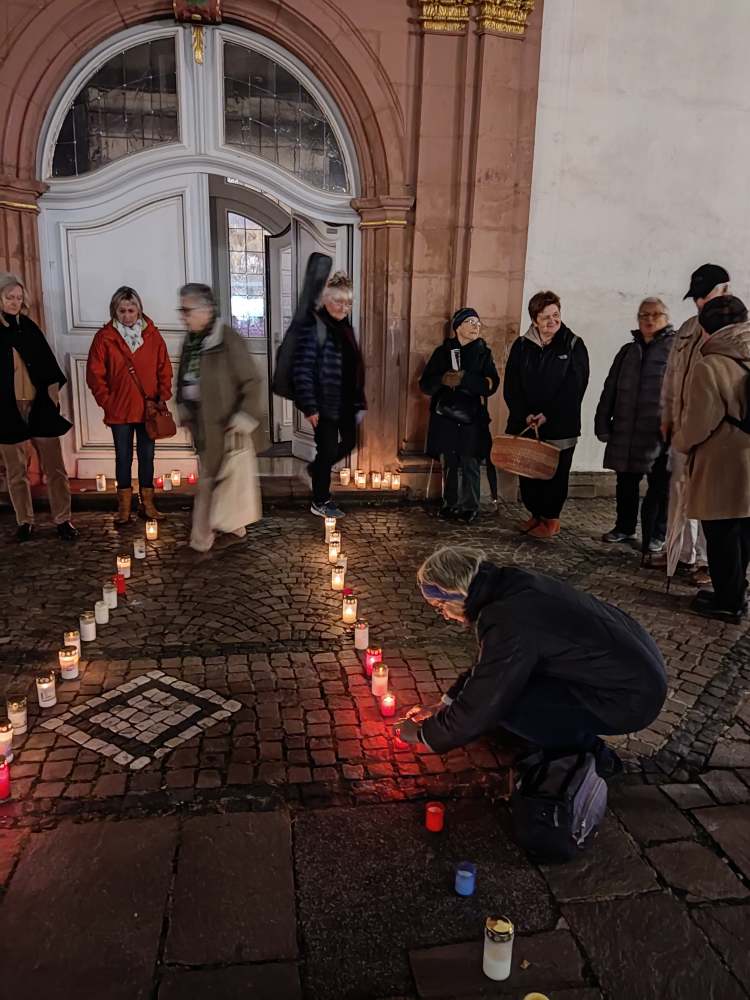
x,y
557,804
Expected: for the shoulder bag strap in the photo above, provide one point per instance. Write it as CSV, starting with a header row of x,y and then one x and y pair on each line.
x,y
131,368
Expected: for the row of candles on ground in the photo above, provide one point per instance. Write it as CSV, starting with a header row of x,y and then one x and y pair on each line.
x,y
378,480
171,480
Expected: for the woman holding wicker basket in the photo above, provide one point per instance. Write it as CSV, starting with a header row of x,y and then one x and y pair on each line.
x,y
545,381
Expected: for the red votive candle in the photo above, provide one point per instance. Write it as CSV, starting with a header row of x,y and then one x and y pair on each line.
x,y
388,705
373,655
434,816
4,779
119,581
192,479
159,482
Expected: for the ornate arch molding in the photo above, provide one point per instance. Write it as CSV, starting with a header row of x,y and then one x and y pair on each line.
x,y
327,42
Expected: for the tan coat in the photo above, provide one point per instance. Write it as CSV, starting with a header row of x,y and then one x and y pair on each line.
x,y
683,357
719,463
227,389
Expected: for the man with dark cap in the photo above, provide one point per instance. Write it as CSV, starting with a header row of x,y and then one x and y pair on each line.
x,y
706,283
715,431
459,377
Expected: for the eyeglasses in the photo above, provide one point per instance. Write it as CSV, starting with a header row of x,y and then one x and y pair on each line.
x,y
184,310
473,321
651,315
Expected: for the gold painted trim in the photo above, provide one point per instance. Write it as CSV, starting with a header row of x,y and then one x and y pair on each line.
x,y
29,206
198,43
448,16
382,223
506,17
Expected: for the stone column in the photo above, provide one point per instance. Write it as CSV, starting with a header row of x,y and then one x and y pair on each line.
x,y
386,247
19,237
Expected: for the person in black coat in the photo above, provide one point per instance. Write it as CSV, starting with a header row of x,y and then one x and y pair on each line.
x,y
545,381
329,386
628,419
556,666
30,383
460,376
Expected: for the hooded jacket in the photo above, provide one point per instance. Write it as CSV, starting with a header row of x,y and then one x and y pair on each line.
x,y
480,380
719,462
22,334
110,381
628,416
531,626
551,380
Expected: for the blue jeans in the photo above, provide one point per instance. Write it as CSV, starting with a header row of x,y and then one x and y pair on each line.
x,y
122,435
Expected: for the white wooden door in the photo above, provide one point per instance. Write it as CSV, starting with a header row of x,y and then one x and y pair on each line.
x,y
279,297
153,236
309,237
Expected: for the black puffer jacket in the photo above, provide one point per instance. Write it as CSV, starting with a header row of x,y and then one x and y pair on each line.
x,y
45,419
628,416
480,380
529,625
551,380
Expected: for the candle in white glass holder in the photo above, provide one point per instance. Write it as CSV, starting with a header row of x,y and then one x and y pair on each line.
x,y
338,574
139,548
396,481
123,566
17,712
72,638
45,688
349,609
361,635
345,476
361,480
6,740
68,660
377,480
101,483
334,548
88,626
101,613
152,530
109,595
330,526
379,680
387,480
167,484
498,948
175,477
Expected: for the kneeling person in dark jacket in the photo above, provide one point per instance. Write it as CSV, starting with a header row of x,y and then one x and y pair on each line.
x,y
556,666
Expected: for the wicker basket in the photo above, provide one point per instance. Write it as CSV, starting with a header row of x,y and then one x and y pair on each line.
x,y
524,456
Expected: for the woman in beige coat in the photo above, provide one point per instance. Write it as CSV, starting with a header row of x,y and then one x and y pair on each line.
x,y
719,455
215,389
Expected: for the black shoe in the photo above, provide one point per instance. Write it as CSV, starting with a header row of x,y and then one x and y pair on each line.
x,y
67,532
469,516
24,532
709,609
703,597
447,513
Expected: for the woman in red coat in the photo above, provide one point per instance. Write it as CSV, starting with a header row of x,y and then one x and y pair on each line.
x,y
129,339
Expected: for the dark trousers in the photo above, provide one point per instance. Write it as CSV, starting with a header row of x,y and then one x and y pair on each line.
x,y
728,545
546,497
122,435
548,715
335,439
655,503
467,497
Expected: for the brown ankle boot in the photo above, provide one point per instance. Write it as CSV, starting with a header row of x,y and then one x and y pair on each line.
x,y
148,508
546,530
124,504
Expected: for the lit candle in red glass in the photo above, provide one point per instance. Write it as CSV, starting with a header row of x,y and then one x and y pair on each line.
x,y
192,479
4,779
159,482
373,655
434,816
388,705
119,581
400,744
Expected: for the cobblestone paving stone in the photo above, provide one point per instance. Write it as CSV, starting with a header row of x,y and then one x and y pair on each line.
x,y
259,625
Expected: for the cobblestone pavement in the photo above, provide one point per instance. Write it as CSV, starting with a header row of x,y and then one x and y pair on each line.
x,y
180,778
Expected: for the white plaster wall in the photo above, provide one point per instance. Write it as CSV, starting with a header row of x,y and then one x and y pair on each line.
x,y
641,164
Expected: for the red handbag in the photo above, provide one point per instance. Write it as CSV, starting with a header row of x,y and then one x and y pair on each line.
x,y
159,421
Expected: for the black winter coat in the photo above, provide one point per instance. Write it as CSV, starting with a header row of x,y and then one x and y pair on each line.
x,y
45,420
551,380
628,416
480,380
321,368
531,626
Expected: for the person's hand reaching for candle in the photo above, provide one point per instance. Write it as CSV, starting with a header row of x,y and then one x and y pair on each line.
x,y
418,713
408,731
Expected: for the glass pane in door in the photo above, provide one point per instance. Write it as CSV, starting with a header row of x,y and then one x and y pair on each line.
x,y
247,275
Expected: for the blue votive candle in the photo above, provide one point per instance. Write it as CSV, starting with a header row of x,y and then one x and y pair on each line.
x,y
466,878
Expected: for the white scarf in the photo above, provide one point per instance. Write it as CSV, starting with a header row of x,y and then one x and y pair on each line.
x,y
132,335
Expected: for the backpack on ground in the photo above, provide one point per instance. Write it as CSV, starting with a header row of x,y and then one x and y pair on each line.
x,y
744,422
557,805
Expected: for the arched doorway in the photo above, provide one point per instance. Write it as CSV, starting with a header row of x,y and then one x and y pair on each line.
x,y
161,171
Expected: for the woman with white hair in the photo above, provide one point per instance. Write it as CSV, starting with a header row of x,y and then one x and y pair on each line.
x,y
30,383
590,671
628,419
